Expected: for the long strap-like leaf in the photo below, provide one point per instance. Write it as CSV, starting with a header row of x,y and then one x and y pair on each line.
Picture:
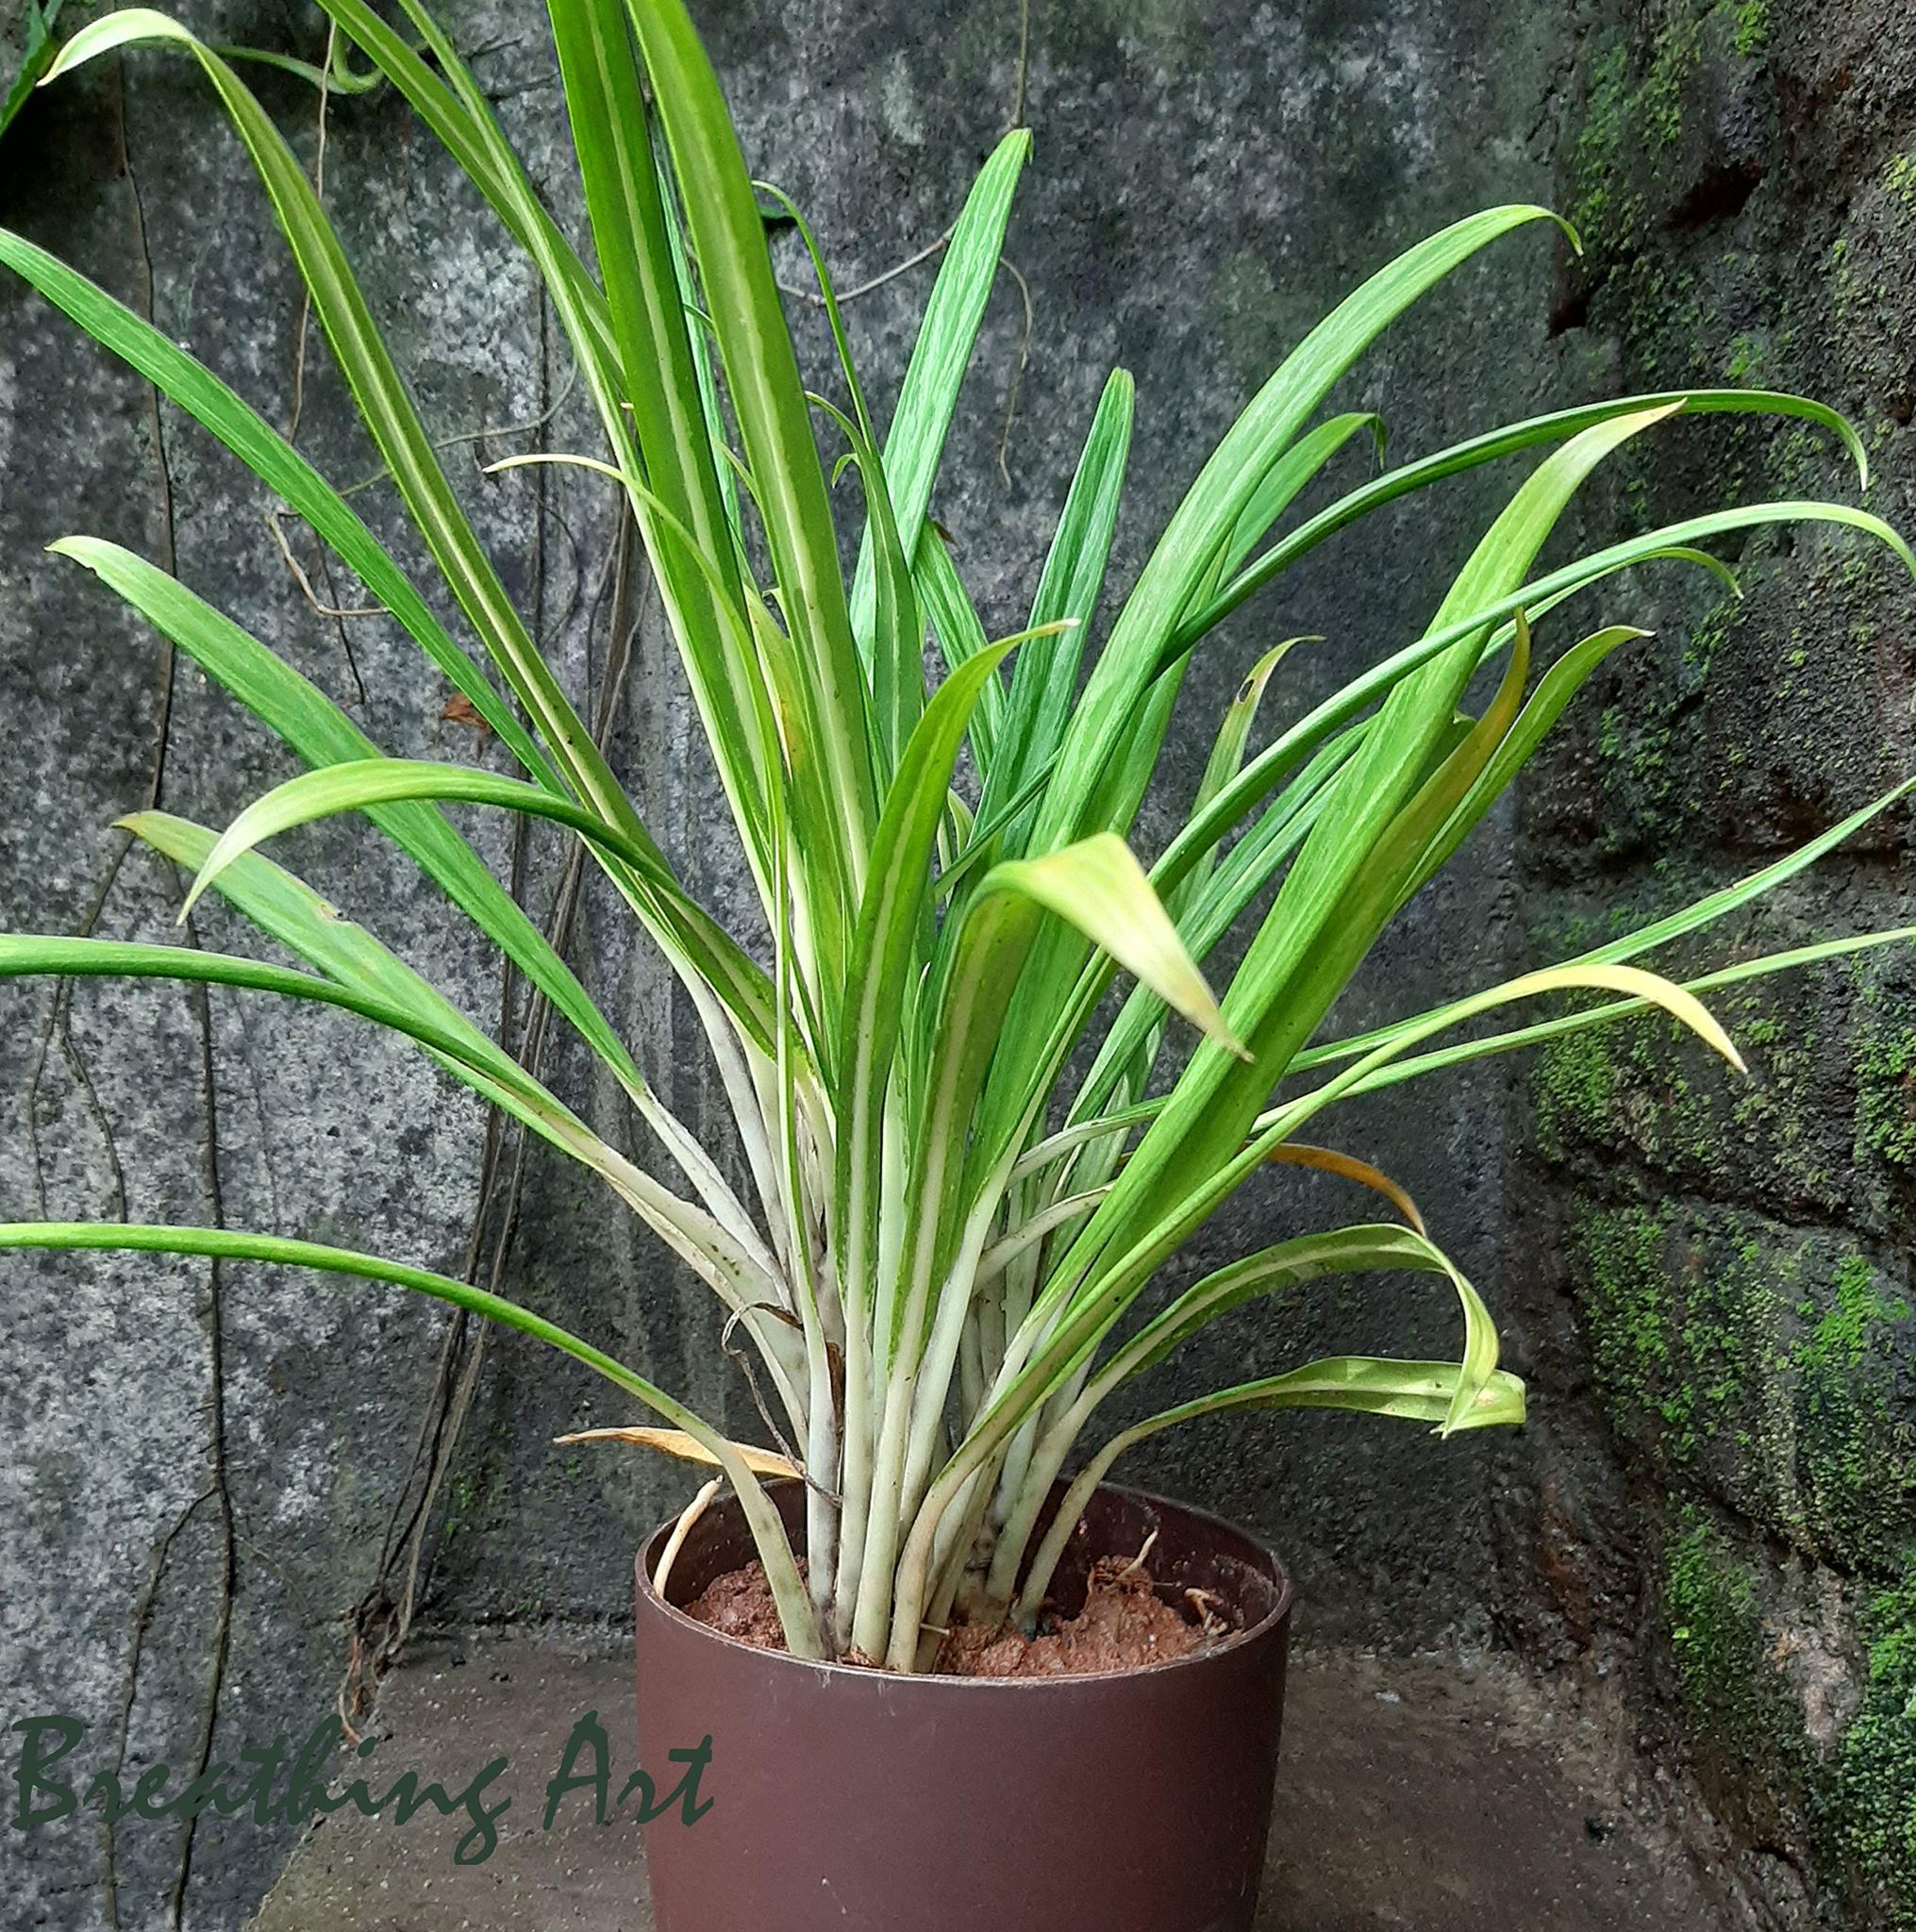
x,y
611,136
1509,441
1074,576
769,400
1212,508
882,963
927,400
388,410
298,711
267,454
768,1531
1360,1385
290,911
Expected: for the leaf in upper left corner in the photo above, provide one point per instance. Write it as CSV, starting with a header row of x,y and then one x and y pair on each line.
x,y
35,58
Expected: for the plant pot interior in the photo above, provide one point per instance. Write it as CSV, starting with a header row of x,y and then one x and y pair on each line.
x,y
1189,1552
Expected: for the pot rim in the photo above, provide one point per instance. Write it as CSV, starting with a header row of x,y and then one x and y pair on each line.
x,y
1262,1630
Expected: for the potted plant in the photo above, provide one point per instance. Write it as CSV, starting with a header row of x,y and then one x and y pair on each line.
x,y
967,1164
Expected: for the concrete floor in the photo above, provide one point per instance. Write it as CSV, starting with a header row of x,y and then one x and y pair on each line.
x,y
1412,1798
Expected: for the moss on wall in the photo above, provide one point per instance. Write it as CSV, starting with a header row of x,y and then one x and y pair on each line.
x,y
1886,1081
1742,1715
1733,1254
1867,1813
1857,1450
1759,1365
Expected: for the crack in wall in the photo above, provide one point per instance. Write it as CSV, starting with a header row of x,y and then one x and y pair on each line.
x,y
216,1489
142,1619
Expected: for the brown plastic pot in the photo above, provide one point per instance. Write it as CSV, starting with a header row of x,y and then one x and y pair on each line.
x,y
1137,1801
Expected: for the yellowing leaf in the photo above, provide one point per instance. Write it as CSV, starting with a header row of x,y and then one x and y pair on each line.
x,y
1348,1167
1652,986
1099,886
677,1442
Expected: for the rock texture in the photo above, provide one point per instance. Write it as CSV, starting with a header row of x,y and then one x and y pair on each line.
x,y
204,1476
1718,1501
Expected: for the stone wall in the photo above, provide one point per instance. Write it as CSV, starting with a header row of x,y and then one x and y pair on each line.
x,y
1718,1313
200,1464
206,1469
1704,1281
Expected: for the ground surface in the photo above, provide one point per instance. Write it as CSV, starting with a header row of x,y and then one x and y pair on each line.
x,y
1410,1797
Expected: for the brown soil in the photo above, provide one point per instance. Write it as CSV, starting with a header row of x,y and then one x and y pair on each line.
x,y
740,1605
1126,1625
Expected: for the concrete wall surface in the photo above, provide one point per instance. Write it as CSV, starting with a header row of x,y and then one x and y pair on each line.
x,y
209,1475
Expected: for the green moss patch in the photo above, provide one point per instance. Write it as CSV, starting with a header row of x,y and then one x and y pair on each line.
x,y
1759,1367
1867,1822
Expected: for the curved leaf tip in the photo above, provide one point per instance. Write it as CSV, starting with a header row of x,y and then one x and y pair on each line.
x,y
1501,1403
112,31
1652,986
1098,886
1833,420
1259,674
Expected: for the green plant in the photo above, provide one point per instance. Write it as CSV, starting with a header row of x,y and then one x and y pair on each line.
x,y
952,1226
36,58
